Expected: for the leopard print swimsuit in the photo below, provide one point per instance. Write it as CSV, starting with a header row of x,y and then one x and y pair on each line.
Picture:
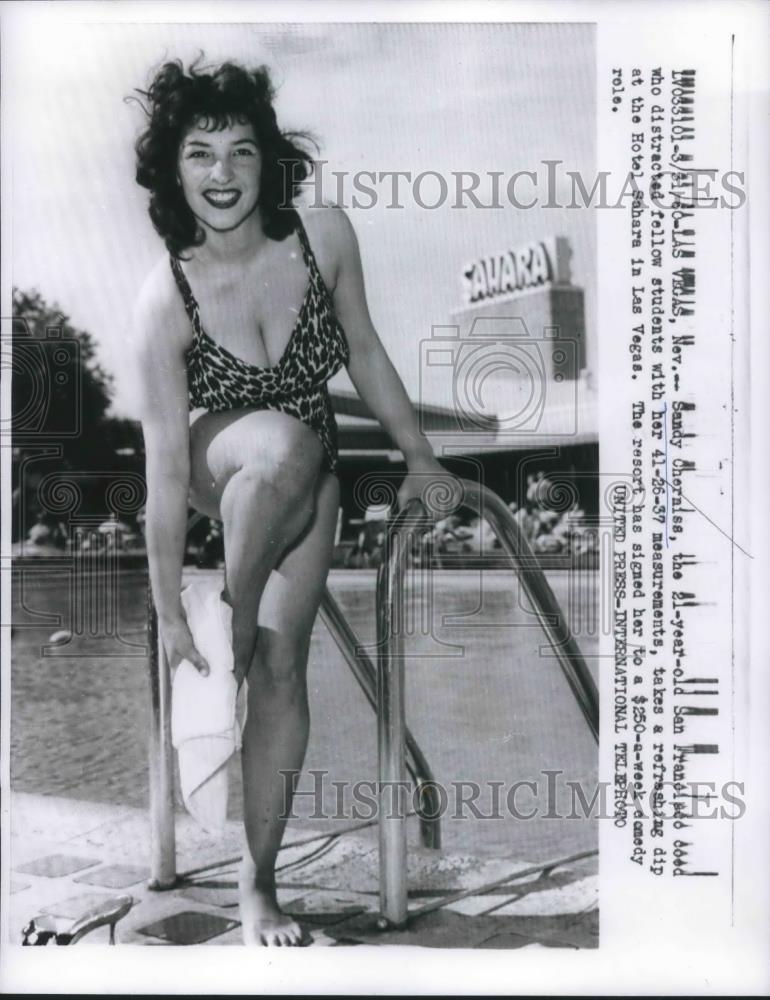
x,y
218,380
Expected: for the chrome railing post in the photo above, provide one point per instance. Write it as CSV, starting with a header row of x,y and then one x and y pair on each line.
x,y
162,832
163,872
391,724
391,754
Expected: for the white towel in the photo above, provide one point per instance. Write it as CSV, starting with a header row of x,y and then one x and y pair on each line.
x,y
207,713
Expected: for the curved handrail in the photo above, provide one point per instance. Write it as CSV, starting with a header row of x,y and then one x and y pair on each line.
x,y
413,520
485,503
365,673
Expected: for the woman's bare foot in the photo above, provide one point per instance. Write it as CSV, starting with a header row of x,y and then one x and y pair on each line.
x,y
262,921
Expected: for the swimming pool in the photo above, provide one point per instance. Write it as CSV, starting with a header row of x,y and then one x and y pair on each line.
x,y
488,705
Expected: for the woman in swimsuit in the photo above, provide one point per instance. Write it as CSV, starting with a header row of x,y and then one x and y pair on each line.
x,y
236,332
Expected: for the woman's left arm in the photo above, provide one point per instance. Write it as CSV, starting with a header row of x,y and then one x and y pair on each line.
x,y
371,370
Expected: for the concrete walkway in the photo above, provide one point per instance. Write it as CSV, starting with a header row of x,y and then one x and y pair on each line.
x,y
68,855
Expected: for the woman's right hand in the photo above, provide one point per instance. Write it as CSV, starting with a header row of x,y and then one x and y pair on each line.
x,y
179,645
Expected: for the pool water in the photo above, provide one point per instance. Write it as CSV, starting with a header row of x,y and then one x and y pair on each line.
x,y
486,701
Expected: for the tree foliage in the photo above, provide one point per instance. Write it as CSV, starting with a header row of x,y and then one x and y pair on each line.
x,y
60,396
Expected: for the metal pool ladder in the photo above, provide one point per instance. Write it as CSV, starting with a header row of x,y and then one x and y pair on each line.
x,y
409,527
383,686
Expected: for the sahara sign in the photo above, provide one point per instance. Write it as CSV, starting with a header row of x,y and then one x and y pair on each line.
x,y
513,272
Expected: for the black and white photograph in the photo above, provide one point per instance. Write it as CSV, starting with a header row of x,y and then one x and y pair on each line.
x,y
376,537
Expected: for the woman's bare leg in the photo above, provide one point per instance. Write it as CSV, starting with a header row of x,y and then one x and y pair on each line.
x,y
277,726
258,472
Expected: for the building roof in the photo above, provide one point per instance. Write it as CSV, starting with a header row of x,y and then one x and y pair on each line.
x,y
566,416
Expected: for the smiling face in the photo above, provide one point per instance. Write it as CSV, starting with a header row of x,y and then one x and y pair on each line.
x,y
219,172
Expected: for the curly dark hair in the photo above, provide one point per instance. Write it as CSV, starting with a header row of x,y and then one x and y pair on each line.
x,y
174,102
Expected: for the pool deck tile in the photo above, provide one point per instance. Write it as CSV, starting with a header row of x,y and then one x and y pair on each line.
x,y
331,888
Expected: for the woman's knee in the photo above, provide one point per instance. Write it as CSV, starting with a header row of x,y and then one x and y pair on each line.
x,y
284,493
280,662
266,448
274,445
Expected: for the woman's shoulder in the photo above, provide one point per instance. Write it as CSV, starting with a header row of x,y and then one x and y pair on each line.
x,y
331,235
158,285
328,223
158,308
